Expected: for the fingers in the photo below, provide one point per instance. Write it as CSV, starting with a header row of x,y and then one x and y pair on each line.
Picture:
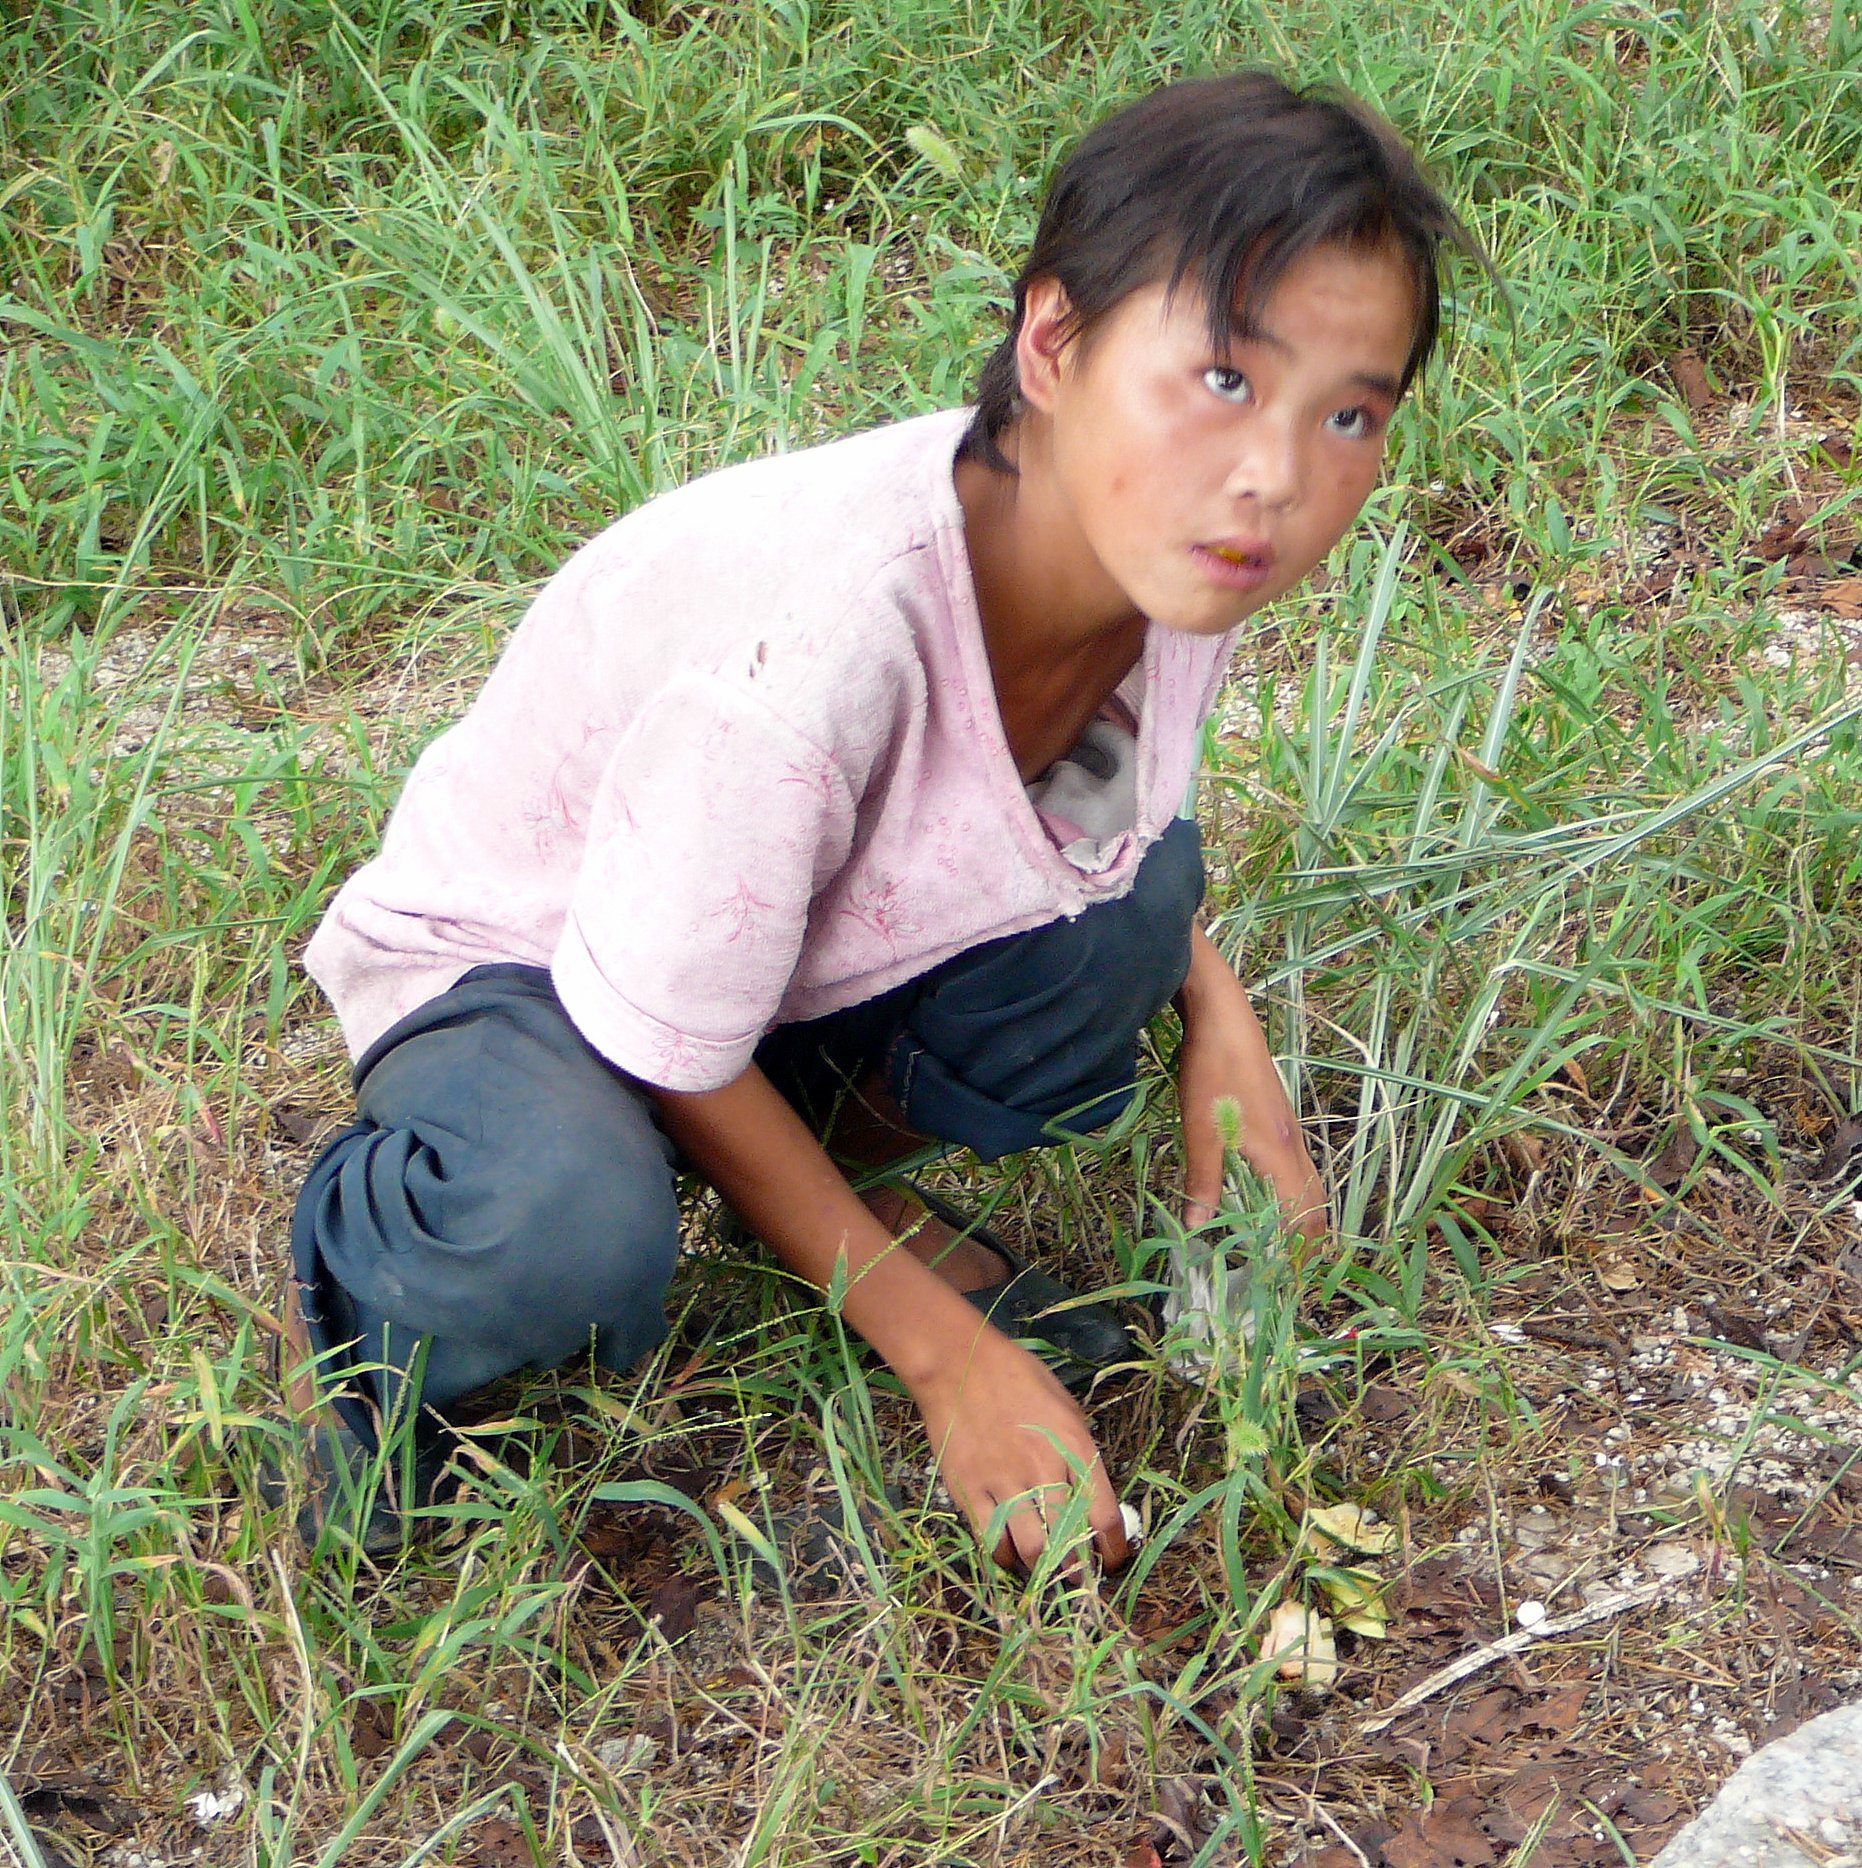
x,y
1202,1173
1029,1528
1108,1521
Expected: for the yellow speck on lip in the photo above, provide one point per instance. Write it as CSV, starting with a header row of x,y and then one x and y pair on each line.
x,y
1232,557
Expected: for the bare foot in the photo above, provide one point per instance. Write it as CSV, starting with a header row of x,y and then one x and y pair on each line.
x,y
962,1263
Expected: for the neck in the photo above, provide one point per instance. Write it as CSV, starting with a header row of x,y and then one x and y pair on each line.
x,y
1045,600
1060,636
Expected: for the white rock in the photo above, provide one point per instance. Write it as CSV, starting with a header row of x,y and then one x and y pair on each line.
x,y
1530,1614
1671,1560
629,1756
1813,1775
212,1806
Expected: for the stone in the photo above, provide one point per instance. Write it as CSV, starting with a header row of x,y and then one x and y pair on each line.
x,y
630,1756
1785,1806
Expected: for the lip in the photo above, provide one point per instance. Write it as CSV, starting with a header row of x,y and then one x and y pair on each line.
x,y
1235,564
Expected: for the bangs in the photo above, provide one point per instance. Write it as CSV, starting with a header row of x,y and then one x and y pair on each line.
x,y
1221,184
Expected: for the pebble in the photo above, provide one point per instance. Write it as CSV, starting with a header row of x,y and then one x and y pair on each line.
x,y
629,1756
1529,1614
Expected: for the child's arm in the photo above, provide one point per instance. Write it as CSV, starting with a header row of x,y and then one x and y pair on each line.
x,y
1225,1054
999,1423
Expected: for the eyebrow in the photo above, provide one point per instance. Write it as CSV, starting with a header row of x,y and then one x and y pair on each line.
x,y
1378,385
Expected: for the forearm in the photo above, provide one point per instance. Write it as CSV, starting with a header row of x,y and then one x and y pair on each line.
x,y
1225,1055
760,1155
1211,995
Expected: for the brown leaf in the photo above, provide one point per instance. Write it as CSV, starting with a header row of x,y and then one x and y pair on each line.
x,y
1841,597
500,1844
371,1729
1669,1168
1445,1835
1558,1712
1690,376
1841,1150
674,1605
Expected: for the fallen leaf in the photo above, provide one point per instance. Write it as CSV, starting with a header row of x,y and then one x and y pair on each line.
x,y
1614,1275
1842,597
1690,376
1350,1527
1357,1596
1669,1168
1842,1149
1301,1641
1445,1835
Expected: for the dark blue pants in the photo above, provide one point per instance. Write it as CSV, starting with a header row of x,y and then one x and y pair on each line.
x,y
504,1198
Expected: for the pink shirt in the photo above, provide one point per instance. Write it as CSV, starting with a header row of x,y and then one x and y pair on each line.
x,y
741,764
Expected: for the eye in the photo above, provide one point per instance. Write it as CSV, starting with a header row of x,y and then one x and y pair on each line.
x,y
1229,384
1354,424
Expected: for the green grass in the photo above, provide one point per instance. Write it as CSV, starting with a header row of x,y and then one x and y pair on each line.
x,y
328,331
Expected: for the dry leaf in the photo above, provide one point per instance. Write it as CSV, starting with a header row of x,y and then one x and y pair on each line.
x,y
1301,1640
1842,598
1350,1527
1691,379
1669,1168
1358,1598
1614,1275
1841,1150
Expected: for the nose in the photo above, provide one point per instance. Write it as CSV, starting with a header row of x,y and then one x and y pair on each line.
x,y
1269,465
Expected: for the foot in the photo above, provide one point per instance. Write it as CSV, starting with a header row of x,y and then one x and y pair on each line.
x,y
963,1263
353,1491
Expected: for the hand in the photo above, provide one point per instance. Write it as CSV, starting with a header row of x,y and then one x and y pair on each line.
x,y
1225,1055
1003,1429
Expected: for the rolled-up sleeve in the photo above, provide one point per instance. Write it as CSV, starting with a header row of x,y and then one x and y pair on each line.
x,y
714,826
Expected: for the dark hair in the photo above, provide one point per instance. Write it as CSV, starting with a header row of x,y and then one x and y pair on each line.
x,y
1224,182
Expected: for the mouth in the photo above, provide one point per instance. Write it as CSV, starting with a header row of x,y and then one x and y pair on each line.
x,y
1237,567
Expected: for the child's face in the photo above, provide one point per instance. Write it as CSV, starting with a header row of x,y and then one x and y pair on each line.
x,y
1206,485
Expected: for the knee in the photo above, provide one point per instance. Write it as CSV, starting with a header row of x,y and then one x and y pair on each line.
x,y
521,1247
595,1220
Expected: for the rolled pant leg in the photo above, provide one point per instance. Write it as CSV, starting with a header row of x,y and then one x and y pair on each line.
x,y
503,1193
1020,1041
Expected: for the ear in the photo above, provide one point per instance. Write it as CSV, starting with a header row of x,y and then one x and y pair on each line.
x,y
1041,342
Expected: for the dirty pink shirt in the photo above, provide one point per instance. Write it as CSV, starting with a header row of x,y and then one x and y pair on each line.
x,y
741,764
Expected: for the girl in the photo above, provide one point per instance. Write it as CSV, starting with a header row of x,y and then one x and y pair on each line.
x,y
830,804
